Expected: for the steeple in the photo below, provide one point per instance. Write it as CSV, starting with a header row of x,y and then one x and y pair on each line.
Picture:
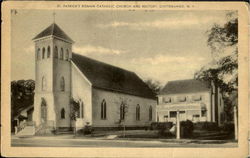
x,y
54,30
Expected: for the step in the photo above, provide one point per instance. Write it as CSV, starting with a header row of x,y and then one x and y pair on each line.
x,y
26,132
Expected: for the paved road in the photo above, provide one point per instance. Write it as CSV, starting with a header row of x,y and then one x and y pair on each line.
x,y
81,142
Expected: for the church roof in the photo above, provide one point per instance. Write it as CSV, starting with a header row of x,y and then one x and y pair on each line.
x,y
185,86
108,77
54,30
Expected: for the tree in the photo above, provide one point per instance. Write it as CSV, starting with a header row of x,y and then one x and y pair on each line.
x,y
75,107
22,96
223,70
122,111
155,86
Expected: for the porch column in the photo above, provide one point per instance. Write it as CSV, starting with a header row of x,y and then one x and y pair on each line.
x,y
169,119
177,125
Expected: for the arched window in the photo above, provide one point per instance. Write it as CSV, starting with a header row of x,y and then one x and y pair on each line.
x,y
62,113
150,113
82,110
56,52
61,54
43,56
138,112
122,111
43,110
103,109
44,84
62,84
48,52
67,55
38,57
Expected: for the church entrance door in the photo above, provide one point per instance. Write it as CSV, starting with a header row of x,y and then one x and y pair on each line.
x,y
43,111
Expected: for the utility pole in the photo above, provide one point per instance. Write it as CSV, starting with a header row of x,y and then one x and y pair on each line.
x,y
177,125
235,124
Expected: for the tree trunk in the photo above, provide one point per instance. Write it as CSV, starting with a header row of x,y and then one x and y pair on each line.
x,y
123,130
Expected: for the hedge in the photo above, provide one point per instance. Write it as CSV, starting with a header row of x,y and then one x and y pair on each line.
x,y
208,126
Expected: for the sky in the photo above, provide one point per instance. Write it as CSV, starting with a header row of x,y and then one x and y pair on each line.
x,y
159,45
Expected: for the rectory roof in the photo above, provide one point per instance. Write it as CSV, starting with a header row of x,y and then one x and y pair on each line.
x,y
185,86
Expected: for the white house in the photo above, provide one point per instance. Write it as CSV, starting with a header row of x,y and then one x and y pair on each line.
x,y
103,92
195,100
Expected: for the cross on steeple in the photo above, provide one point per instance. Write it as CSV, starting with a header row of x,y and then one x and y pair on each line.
x,y
54,16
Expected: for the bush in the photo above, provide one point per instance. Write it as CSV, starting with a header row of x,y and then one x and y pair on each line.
x,y
164,133
87,129
161,125
207,126
187,128
228,127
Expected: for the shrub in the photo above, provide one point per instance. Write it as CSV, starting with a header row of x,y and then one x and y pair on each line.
x,y
187,128
208,126
87,129
228,127
164,133
161,125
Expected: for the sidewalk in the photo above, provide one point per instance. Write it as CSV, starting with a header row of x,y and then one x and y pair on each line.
x,y
104,138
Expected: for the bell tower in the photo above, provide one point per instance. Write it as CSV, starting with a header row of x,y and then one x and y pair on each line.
x,y
53,52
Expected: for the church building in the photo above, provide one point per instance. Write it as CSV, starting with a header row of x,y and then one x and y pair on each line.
x,y
74,90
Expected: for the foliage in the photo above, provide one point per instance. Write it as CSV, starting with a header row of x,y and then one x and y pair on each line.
x,y
228,127
206,126
187,128
87,129
223,70
155,86
22,95
125,103
74,108
163,128
161,125
220,37
124,109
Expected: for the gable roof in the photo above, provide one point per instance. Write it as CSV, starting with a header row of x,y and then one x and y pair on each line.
x,y
112,78
185,86
54,30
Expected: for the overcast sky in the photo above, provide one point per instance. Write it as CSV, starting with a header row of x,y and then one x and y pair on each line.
x,y
160,45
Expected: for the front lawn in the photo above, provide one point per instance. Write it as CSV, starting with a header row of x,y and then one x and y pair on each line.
x,y
155,134
130,134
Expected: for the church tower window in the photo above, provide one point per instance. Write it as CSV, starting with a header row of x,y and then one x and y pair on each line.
x,y
38,54
62,113
61,54
56,52
44,84
48,52
43,56
150,113
67,55
62,84
138,112
103,110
